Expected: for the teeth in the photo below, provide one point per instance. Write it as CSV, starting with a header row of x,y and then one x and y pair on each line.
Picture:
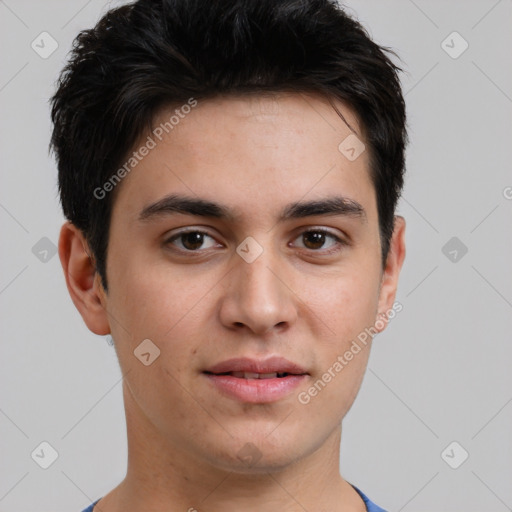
x,y
251,375
268,375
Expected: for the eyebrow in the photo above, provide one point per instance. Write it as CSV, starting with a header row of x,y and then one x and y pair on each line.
x,y
186,205
171,204
338,205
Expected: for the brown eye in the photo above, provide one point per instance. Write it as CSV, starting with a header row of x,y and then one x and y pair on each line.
x,y
313,239
319,240
192,241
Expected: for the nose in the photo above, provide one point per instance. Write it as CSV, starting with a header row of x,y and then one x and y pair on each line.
x,y
258,297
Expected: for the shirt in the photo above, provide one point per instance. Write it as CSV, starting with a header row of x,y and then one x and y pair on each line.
x,y
370,506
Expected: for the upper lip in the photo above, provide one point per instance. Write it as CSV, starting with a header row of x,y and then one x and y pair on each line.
x,y
245,364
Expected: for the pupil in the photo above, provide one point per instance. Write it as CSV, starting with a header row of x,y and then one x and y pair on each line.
x,y
192,240
314,240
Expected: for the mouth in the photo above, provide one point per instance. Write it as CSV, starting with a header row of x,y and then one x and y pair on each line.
x,y
256,381
248,368
252,375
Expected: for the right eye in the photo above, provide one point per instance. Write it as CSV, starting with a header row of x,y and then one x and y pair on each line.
x,y
191,241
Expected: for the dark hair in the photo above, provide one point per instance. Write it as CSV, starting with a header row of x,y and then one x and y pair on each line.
x,y
146,55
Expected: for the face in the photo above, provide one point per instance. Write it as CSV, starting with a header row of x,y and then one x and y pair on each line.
x,y
245,244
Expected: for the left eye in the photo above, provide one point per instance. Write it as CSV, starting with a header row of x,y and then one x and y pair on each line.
x,y
192,240
318,239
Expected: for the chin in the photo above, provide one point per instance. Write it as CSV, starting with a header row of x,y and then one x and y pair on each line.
x,y
257,454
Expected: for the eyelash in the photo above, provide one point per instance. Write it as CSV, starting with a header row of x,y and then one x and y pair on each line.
x,y
340,243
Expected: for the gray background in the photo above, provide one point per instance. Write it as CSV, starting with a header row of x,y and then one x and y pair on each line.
x,y
440,373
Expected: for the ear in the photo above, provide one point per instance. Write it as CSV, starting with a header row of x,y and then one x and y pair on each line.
x,y
83,282
391,273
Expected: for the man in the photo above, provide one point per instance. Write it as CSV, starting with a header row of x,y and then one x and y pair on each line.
x,y
230,171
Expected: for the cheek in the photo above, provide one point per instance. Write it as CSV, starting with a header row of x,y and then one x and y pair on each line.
x,y
168,309
350,307
153,302
147,305
345,311
346,303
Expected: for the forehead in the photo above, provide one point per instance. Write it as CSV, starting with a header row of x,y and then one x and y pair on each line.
x,y
252,152
268,118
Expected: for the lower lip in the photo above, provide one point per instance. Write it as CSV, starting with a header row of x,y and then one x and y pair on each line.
x,y
256,390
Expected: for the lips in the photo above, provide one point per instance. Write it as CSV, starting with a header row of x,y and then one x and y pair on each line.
x,y
254,368
256,381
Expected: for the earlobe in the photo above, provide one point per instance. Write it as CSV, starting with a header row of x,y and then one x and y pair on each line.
x,y
82,280
389,282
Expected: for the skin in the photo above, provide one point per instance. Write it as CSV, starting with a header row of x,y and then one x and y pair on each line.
x,y
254,155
